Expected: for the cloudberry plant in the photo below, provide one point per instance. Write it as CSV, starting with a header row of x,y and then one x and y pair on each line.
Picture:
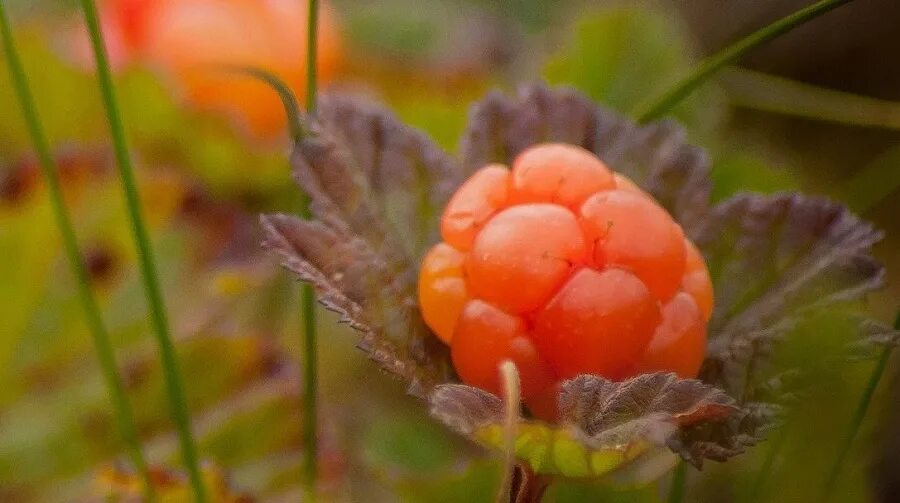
x,y
565,268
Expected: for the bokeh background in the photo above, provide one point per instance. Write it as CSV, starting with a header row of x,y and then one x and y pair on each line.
x,y
812,111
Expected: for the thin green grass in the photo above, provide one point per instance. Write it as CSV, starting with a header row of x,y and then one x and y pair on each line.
x,y
312,46
105,354
730,54
146,261
862,409
307,295
676,487
771,93
765,470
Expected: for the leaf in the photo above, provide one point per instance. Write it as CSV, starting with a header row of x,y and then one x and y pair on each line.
x,y
655,156
343,271
738,169
874,337
774,260
722,440
604,424
410,177
621,55
599,406
368,177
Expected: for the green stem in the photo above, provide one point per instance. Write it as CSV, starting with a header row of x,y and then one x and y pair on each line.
x,y
732,53
762,477
106,356
173,380
676,489
861,409
312,47
307,295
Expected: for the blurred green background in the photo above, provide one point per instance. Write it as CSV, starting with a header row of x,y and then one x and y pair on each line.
x,y
233,310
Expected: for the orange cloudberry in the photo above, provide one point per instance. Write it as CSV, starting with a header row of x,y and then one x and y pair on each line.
x,y
565,268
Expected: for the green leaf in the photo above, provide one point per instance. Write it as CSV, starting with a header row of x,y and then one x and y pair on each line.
x,y
623,55
407,443
736,171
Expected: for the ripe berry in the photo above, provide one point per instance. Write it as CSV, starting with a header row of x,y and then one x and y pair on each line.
x,y
565,268
633,232
442,289
559,174
679,340
486,335
599,323
476,201
515,268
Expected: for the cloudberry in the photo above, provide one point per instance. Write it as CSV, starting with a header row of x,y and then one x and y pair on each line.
x,y
565,268
191,40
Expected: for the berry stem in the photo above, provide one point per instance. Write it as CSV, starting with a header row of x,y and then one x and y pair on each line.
x,y
146,260
94,319
709,66
307,295
861,409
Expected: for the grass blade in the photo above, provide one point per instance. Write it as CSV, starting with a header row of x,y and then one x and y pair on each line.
x,y
732,53
158,316
872,184
121,408
307,295
771,93
676,488
765,470
285,94
312,48
861,409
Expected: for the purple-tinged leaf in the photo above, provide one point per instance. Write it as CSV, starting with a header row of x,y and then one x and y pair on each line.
x,y
465,409
597,405
369,179
874,336
406,177
725,439
349,281
773,261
